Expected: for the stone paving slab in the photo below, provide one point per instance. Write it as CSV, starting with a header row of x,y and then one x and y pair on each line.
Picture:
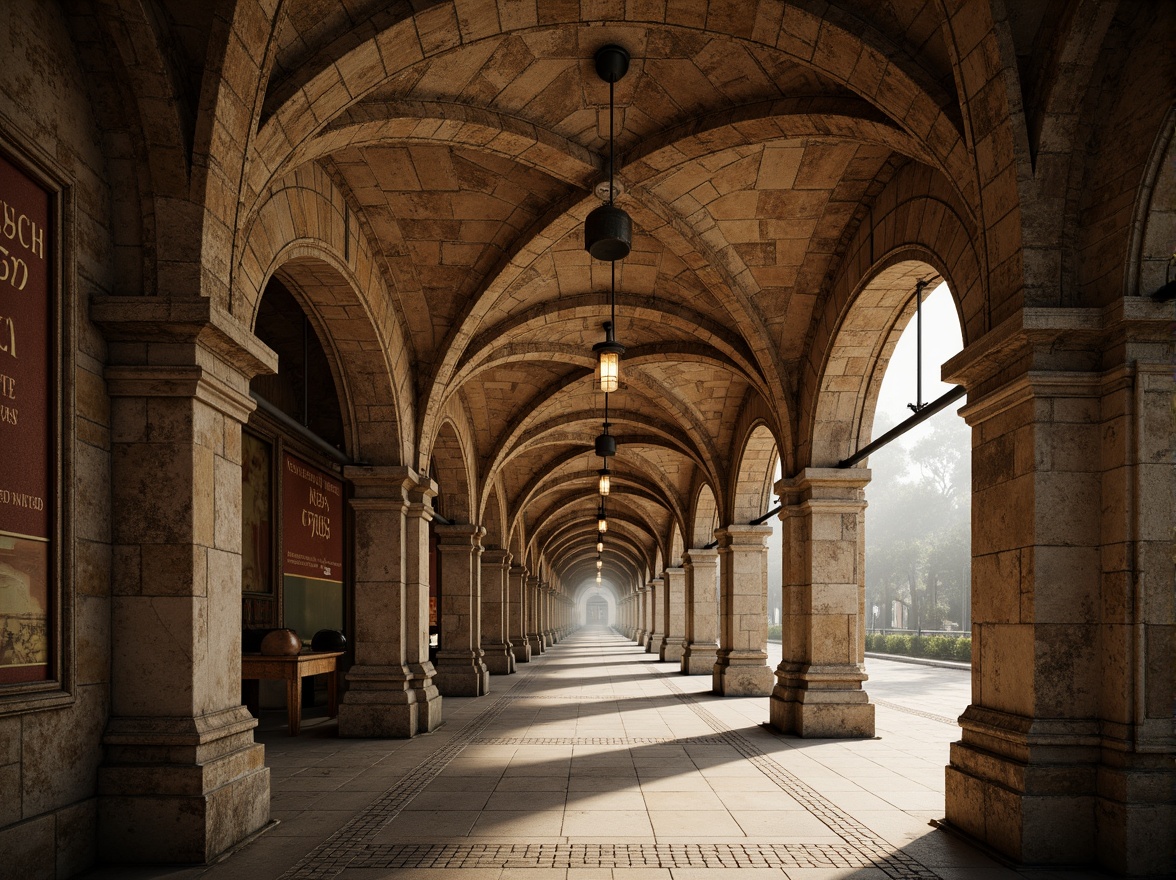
x,y
596,761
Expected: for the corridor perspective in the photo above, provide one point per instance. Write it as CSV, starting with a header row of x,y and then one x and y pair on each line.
x,y
362,358
602,763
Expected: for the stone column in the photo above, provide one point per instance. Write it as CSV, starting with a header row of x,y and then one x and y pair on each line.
x,y
545,608
700,651
517,614
416,603
742,665
657,638
819,681
675,637
639,630
534,634
1066,754
499,657
381,699
181,778
461,671
647,608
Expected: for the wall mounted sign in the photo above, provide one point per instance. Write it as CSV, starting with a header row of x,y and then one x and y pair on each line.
x,y
26,389
312,548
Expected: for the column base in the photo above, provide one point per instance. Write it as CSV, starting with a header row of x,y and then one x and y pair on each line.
x,y
536,642
1027,787
821,701
180,790
522,651
698,659
380,702
461,674
499,659
652,642
428,698
742,675
639,636
671,650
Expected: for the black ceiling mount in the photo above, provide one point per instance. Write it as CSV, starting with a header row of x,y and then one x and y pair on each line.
x,y
612,62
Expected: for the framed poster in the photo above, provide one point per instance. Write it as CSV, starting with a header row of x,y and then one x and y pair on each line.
x,y
312,548
28,392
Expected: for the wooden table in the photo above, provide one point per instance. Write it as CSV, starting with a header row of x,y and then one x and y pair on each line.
x,y
292,669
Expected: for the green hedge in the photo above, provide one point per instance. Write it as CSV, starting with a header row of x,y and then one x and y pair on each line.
x,y
934,647
774,632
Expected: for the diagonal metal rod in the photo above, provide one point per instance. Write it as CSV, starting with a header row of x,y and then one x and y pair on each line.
x,y
902,427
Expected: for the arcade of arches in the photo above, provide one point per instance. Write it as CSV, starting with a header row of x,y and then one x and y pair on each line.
x,y
258,252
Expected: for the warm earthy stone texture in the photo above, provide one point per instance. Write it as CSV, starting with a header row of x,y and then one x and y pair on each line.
x,y
461,668
700,651
386,683
819,681
675,637
499,656
416,178
741,665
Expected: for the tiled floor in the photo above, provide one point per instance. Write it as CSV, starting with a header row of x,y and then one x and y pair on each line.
x,y
598,762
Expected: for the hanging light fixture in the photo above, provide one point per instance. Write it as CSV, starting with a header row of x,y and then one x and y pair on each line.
x,y
600,542
608,230
601,520
608,356
598,578
605,481
599,563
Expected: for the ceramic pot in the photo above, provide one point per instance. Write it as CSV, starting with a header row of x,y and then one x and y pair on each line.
x,y
328,640
281,642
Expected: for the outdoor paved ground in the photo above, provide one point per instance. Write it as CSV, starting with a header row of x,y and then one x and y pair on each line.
x,y
598,763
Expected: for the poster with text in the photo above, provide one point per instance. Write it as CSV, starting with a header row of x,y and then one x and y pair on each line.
x,y
26,499
312,548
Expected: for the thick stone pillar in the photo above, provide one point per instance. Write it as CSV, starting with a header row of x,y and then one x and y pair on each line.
x,y
675,637
461,671
547,607
1067,752
657,638
416,603
516,617
534,633
818,689
499,657
742,665
181,778
700,651
381,699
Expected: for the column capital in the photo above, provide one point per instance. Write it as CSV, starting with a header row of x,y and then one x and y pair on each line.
x,y
374,483
460,535
517,570
496,556
744,536
823,484
699,555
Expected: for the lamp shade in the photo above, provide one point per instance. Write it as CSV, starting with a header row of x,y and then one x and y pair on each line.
x,y
608,233
600,542
606,445
605,481
601,522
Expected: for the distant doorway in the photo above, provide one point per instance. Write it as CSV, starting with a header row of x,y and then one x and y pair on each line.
x,y
597,611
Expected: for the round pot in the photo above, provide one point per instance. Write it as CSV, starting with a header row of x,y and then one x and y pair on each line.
x,y
328,640
281,642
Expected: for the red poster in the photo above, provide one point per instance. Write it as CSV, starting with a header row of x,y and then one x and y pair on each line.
x,y
26,498
312,522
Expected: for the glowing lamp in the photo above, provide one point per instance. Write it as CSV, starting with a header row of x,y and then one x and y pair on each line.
x,y
604,481
608,361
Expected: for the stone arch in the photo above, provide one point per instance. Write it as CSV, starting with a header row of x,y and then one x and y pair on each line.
x,y
843,413
751,490
676,545
328,294
453,470
493,518
311,214
705,516
1150,253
